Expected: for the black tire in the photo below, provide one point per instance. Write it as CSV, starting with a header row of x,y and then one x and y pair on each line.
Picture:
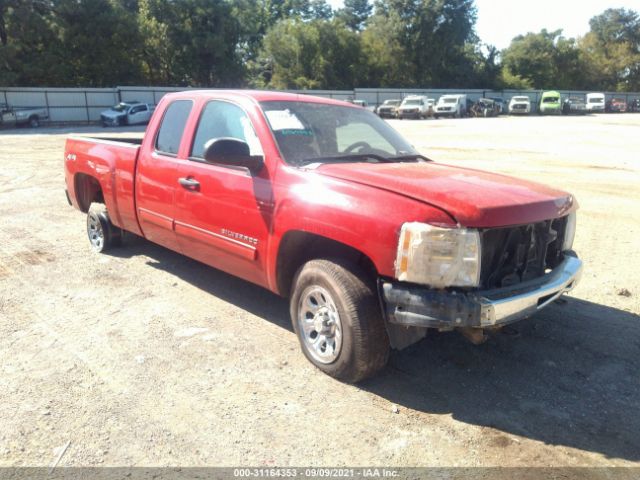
x,y
34,121
103,235
364,342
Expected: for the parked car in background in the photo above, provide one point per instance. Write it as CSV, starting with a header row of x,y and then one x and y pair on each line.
x,y
484,107
389,108
11,117
415,106
324,203
595,102
633,106
550,103
616,105
127,113
574,105
451,106
363,104
431,105
501,105
519,105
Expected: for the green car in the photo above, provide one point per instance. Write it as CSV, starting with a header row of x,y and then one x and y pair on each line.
x,y
550,103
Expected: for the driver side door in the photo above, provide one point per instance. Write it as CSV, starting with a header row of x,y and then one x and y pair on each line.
x,y
223,212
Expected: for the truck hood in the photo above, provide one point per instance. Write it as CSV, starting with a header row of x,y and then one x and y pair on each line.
x,y
112,114
472,197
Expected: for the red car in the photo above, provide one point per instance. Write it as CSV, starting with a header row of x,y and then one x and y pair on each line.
x,y
322,202
616,105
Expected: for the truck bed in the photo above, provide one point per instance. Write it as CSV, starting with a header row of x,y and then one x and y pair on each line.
x,y
111,162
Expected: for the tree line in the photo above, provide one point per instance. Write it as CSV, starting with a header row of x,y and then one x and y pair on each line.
x,y
301,44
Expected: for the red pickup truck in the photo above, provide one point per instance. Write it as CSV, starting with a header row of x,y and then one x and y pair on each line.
x,y
323,202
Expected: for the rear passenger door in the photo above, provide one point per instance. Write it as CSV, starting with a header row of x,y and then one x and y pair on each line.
x,y
157,176
223,213
138,114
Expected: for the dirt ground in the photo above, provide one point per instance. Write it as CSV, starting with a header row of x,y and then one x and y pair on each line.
x,y
147,358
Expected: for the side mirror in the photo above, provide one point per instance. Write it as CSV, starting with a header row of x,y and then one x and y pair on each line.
x,y
232,152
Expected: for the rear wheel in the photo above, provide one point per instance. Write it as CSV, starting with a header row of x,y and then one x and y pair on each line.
x,y
34,121
103,235
337,319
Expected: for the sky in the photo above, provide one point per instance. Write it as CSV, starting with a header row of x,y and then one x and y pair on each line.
x,y
501,20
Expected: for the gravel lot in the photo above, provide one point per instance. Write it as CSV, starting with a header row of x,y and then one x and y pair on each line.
x,y
145,357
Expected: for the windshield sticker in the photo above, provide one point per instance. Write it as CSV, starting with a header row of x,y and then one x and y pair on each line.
x,y
284,120
290,131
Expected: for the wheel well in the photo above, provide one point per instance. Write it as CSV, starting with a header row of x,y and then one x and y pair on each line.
x,y
87,190
297,248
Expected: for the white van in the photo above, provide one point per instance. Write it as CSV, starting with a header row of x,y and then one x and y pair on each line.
x,y
451,106
519,104
595,102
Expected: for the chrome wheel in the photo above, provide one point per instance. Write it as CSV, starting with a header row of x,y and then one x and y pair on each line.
x,y
319,324
95,232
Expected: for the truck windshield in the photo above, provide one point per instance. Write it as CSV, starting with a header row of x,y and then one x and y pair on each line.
x,y
550,100
596,100
314,132
121,107
415,101
450,100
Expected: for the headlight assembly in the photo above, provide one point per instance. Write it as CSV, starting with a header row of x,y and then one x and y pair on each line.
x,y
569,232
438,257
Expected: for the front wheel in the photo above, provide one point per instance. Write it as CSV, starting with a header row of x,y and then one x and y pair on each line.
x,y
337,318
34,121
103,235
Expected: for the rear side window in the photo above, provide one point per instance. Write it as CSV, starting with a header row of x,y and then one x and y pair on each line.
x,y
172,127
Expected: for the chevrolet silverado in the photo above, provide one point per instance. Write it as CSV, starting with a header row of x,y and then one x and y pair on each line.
x,y
324,203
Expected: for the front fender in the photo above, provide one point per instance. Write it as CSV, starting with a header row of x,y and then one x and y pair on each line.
x,y
363,217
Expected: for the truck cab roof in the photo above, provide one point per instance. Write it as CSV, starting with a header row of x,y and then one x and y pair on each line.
x,y
255,96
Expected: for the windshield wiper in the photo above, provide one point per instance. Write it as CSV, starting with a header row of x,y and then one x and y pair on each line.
x,y
413,156
356,157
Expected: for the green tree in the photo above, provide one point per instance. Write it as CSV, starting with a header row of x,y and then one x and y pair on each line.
x,y
545,60
387,61
612,50
433,38
190,42
98,44
309,55
355,13
28,44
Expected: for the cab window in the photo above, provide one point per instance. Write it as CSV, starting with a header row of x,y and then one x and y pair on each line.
x,y
221,119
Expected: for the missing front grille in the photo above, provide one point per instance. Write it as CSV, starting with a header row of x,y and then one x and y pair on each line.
x,y
511,255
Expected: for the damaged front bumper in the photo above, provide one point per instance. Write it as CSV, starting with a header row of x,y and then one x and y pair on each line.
x,y
416,306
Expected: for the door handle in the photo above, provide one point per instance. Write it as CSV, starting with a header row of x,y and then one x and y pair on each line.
x,y
189,183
